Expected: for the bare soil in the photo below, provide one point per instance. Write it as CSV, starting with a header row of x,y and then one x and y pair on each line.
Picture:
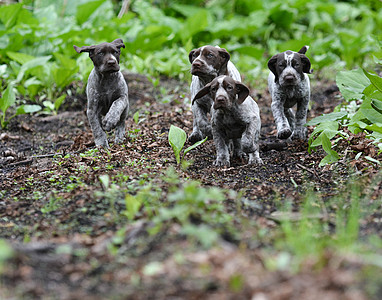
x,y
62,247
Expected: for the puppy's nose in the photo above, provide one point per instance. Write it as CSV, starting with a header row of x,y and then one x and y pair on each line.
x,y
289,77
220,99
111,61
197,63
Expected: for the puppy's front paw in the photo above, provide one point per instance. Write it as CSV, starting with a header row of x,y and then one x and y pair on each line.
x,y
254,159
195,136
300,133
109,123
222,162
101,143
284,133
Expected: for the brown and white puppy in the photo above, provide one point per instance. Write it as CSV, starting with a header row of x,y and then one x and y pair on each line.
x,y
235,117
288,84
107,92
207,63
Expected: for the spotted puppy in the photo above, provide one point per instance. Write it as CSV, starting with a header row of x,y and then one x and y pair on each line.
x,y
235,117
107,92
288,84
207,63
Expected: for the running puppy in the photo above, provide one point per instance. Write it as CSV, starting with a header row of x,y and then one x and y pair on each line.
x,y
288,84
235,117
207,63
107,92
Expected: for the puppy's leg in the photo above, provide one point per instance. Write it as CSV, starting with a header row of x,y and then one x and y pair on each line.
x,y
222,150
238,149
283,128
289,114
120,128
113,116
300,131
250,142
201,124
100,137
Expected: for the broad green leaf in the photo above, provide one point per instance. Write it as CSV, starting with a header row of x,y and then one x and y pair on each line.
x,y
27,109
38,61
377,105
8,99
59,101
375,80
369,112
21,58
9,14
352,83
327,118
84,11
177,137
194,24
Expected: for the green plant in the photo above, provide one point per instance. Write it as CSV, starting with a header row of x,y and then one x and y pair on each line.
x,y
8,100
177,138
361,112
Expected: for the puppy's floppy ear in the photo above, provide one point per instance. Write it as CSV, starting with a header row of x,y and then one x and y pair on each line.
x,y
242,92
224,54
190,55
118,43
89,49
204,91
305,64
272,66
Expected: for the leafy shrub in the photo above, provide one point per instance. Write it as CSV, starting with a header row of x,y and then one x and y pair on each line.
x,y
361,112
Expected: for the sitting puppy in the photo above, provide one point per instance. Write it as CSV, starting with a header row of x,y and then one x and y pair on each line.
x,y
207,63
107,92
235,117
289,85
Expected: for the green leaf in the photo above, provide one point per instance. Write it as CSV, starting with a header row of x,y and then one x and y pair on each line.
x,y
21,58
133,204
27,109
8,98
352,83
84,11
105,181
177,138
194,24
59,101
375,80
327,118
36,62
136,117
9,14
194,145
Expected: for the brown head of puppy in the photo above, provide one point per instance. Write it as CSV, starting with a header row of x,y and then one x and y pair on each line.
x,y
209,61
105,56
225,92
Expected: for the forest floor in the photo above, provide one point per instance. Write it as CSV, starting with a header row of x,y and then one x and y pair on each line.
x,y
71,237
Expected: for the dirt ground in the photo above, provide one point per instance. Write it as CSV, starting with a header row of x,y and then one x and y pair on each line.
x,y
67,254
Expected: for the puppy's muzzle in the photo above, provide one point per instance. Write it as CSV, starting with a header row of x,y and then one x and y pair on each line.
x,y
220,102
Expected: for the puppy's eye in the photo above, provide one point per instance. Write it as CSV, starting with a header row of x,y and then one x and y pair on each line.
x,y
210,55
281,64
100,53
116,52
229,88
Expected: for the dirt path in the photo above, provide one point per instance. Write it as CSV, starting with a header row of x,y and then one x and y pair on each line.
x,y
50,177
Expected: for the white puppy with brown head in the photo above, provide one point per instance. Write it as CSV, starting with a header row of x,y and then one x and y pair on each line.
x,y
235,117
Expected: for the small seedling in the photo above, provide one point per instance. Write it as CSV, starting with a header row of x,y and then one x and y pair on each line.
x,y
177,138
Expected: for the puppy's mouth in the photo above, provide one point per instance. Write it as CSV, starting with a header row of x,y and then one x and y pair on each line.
x,y
220,104
198,70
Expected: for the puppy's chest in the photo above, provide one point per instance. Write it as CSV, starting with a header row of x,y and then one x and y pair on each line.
x,y
232,126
